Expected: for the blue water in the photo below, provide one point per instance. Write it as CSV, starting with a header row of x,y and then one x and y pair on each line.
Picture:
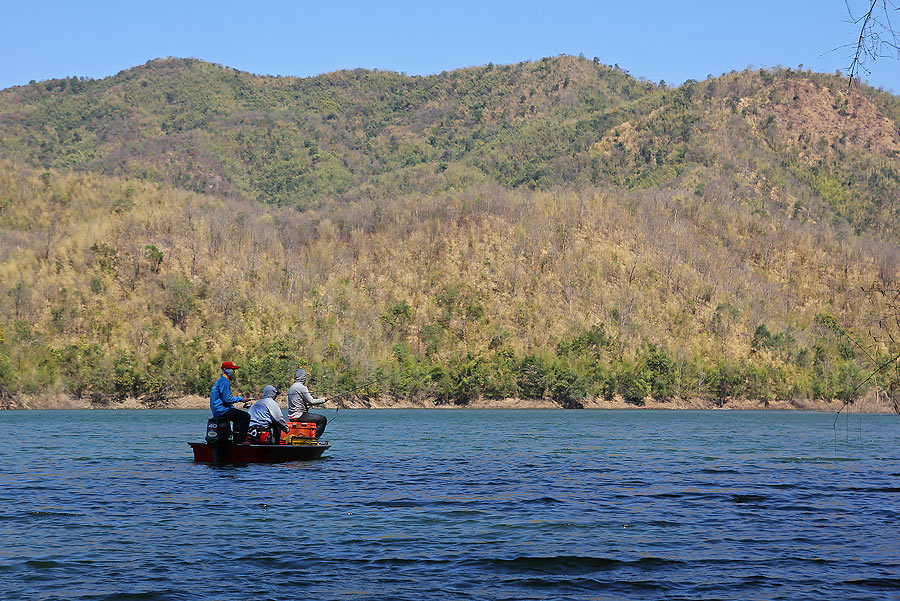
x,y
498,505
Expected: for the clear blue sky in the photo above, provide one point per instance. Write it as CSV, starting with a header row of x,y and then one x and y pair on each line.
x,y
671,40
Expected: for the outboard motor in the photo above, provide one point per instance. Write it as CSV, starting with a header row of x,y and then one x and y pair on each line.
x,y
218,436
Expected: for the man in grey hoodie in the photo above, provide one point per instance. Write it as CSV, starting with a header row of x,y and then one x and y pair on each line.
x,y
266,415
300,400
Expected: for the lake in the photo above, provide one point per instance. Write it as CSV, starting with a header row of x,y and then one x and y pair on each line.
x,y
456,504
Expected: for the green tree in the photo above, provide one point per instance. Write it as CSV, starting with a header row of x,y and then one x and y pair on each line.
x,y
155,256
180,300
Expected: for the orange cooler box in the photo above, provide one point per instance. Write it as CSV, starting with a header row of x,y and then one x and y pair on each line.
x,y
302,429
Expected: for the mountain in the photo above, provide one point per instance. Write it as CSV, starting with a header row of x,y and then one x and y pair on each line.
x,y
552,229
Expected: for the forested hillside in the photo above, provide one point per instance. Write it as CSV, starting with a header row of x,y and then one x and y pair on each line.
x,y
555,229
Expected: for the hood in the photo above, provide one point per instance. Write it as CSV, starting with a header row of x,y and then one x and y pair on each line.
x,y
299,376
270,392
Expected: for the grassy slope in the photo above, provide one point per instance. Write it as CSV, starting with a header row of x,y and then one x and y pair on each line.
x,y
552,228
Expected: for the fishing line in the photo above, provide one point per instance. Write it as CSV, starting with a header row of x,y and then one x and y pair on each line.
x,y
860,432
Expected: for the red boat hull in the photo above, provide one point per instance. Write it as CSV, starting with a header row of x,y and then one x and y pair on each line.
x,y
259,453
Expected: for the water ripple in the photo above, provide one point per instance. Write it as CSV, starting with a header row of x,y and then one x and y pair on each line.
x,y
631,505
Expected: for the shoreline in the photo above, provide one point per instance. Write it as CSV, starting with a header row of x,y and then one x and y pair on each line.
x,y
867,404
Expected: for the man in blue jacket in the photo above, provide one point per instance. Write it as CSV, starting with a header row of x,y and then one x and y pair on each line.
x,y
221,401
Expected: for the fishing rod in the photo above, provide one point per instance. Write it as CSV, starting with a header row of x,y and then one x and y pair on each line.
x,y
365,384
858,386
893,302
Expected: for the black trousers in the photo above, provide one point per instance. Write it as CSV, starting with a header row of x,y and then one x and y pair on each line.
x,y
319,420
275,433
240,423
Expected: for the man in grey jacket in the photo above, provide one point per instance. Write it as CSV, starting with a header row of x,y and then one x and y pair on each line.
x,y
300,400
266,415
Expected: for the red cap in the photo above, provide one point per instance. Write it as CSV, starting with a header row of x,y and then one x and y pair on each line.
x,y
229,365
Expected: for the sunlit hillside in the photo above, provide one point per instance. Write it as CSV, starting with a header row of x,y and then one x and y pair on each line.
x,y
555,230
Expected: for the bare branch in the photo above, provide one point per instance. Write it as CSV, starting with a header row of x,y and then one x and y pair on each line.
x,y
877,37
856,63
